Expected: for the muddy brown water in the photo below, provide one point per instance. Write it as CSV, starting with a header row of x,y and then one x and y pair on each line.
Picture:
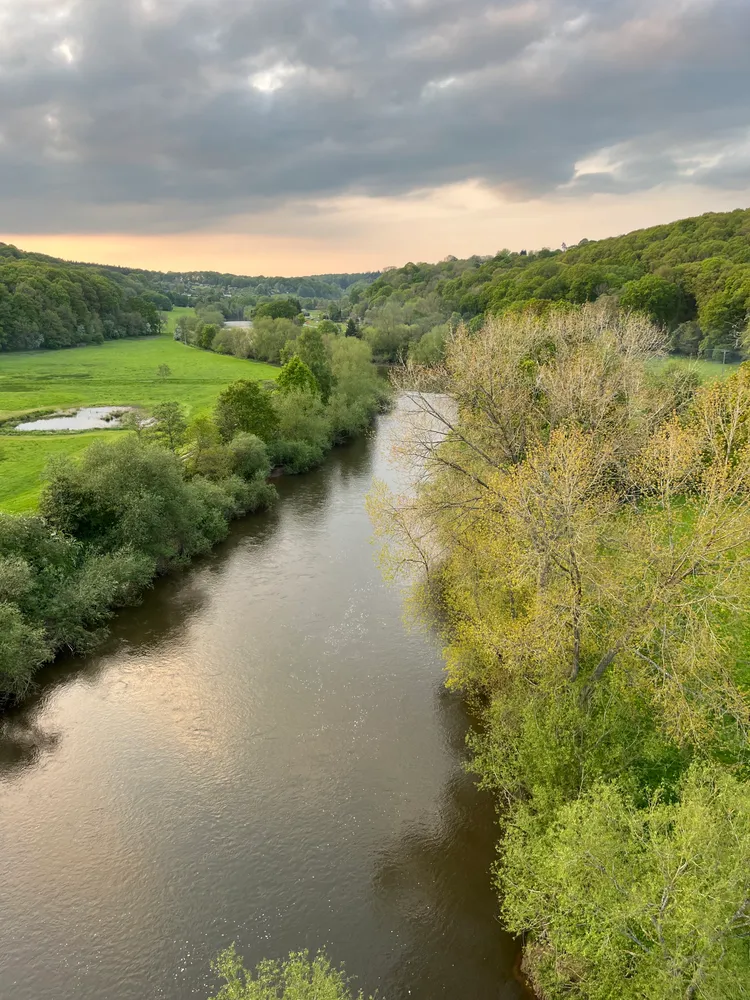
x,y
263,753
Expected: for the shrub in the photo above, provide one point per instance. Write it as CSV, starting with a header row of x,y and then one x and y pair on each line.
x,y
249,456
298,978
295,457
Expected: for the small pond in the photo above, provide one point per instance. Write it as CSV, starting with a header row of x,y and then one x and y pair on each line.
x,y
87,419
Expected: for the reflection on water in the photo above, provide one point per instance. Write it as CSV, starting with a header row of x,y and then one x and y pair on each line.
x,y
260,753
87,419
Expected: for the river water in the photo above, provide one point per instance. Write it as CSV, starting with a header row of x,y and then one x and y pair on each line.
x,y
262,753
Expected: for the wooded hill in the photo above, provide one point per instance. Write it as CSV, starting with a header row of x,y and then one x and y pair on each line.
x,y
231,293
693,276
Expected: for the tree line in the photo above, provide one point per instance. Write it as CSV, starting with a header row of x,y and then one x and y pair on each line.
x,y
229,294
580,536
156,497
691,276
52,306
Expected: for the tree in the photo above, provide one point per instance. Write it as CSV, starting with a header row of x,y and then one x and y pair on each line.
x,y
298,978
311,349
250,456
135,420
281,308
169,424
206,334
245,406
661,300
326,326
295,376
581,533
352,330
163,371
637,902
208,455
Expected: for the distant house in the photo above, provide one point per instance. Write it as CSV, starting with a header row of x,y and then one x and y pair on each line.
x,y
239,324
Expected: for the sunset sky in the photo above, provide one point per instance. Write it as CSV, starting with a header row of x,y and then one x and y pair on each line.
x,y
306,136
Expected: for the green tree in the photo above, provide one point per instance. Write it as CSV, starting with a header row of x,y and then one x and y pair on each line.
x,y
245,406
636,902
295,376
250,456
23,649
281,308
352,330
163,371
327,327
169,424
311,349
298,978
208,455
206,335
660,299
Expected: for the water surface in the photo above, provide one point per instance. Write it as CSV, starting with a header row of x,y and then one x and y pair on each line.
x,y
86,419
261,753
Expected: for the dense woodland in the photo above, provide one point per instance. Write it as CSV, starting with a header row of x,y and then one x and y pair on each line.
x,y
580,535
55,305
692,276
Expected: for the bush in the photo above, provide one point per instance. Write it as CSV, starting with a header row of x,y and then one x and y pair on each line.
x,y
298,978
295,457
301,416
632,902
249,456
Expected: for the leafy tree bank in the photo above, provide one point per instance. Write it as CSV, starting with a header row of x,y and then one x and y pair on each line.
x,y
692,276
581,535
161,495
52,305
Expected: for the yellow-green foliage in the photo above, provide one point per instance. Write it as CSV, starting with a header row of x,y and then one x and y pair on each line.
x,y
587,532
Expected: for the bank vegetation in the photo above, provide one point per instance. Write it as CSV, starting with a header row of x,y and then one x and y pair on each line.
x,y
158,496
579,531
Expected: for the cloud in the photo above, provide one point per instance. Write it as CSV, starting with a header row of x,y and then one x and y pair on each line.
x,y
171,115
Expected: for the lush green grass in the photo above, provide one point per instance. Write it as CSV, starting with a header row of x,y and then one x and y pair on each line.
x,y
708,371
23,460
171,318
121,372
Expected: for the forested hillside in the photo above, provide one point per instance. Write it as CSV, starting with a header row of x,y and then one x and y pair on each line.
x,y
693,276
55,305
232,295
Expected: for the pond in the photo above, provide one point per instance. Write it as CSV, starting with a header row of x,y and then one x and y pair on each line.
x,y
87,419
262,753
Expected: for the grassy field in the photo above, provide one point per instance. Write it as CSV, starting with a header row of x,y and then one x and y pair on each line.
x,y
708,371
121,372
171,318
23,460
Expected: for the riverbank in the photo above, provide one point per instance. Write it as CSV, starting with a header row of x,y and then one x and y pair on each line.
x,y
262,753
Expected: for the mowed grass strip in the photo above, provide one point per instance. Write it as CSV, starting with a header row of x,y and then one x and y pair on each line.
x,y
119,373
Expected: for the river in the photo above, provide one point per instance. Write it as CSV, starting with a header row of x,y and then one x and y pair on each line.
x,y
263,753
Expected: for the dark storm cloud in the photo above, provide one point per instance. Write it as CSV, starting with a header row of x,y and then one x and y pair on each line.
x,y
168,114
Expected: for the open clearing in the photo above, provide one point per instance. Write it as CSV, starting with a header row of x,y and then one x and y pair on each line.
x,y
118,373
171,318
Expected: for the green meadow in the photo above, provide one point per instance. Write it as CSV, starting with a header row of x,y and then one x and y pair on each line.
x,y
708,371
117,373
